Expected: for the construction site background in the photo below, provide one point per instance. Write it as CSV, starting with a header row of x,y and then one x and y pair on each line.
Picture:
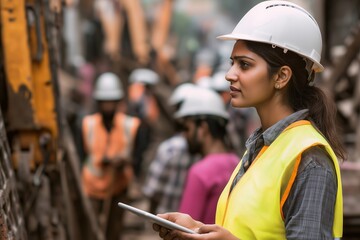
x,y
85,38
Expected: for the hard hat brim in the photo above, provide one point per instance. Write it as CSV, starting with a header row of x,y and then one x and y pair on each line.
x,y
114,96
318,67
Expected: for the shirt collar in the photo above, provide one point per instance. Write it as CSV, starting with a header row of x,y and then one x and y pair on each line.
x,y
273,132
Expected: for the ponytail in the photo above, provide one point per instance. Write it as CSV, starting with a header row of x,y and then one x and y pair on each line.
x,y
323,114
302,94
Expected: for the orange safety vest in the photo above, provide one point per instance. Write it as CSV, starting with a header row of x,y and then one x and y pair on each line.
x,y
101,181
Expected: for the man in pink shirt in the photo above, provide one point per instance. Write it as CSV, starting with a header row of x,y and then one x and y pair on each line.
x,y
204,118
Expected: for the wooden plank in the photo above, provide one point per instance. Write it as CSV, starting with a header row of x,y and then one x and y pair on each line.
x,y
160,30
137,27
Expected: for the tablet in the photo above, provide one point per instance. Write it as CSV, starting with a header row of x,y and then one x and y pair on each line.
x,y
155,219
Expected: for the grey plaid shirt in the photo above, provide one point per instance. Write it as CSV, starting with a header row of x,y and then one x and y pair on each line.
x,y
167,173
309,209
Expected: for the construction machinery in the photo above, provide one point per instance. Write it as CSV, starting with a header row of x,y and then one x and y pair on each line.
x,y
41,195
40,187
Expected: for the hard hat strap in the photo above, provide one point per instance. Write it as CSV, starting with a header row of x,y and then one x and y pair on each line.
x,y
309,69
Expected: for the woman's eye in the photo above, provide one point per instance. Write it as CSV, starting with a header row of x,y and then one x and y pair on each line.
x,y
244,65
240,63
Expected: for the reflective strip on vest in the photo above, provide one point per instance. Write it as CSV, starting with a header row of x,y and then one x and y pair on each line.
x,y
128,126
89,162
259,191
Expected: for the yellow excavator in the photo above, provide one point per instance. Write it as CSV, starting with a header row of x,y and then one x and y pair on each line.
x,y
41,196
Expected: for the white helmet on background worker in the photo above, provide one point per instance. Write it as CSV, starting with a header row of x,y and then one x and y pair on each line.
x,y
108,87
219,83
282,24
181,92
204,102
204,82
145,76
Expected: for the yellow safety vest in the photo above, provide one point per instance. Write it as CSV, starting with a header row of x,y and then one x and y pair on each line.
x,y
253,209
101,181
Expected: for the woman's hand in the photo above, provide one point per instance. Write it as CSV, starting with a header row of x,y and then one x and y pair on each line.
x,y
178,218
205,232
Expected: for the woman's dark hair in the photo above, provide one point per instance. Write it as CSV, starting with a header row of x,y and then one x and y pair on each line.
x,y
302,95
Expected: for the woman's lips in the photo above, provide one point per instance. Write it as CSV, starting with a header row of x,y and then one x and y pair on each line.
x,y
232,88
234,91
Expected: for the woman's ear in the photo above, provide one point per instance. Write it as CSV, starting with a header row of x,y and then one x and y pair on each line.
x,y
283,76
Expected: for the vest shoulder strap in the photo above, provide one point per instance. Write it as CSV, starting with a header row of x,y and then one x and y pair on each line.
x,y
89,125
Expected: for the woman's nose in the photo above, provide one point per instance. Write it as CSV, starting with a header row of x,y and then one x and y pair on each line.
x,y
230,76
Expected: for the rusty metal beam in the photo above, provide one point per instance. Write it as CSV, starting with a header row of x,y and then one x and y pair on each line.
x,y
352,44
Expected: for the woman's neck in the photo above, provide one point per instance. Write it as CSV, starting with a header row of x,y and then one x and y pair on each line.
x,y
271,115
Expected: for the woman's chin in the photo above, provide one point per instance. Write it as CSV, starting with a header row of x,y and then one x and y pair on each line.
x,y
237,104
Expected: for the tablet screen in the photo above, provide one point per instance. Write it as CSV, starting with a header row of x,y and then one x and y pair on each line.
x,y
155,219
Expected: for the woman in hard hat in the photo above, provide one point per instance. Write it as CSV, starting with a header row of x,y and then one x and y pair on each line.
x,y
288,184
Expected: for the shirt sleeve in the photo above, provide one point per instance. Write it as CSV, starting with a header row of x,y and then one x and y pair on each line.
x,y
309,209
158,174
194,196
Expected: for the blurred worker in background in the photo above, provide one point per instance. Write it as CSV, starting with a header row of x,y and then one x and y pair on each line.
x,y
204,82
204,120
288,183
167,172
222,87
143,104
108,137
204,64
242,121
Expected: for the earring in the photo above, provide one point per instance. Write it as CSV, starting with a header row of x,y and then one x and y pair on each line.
x,y
277,86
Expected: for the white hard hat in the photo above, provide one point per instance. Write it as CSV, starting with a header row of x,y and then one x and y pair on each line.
x,y
282,24
204,82
181,92
144,75
108,87
204,102
219,83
